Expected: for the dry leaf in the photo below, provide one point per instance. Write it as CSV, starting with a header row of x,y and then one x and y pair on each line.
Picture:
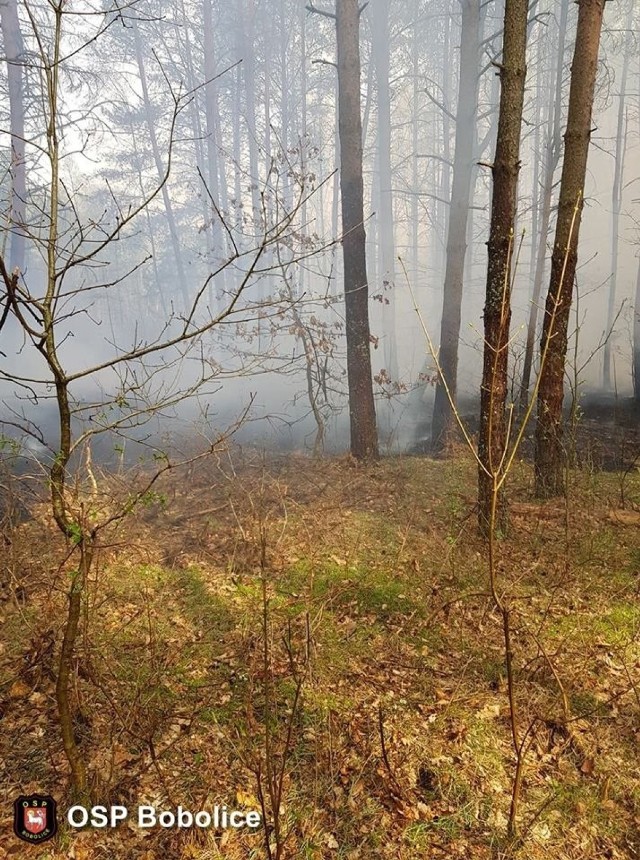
x,y
19,690
588,766
331,842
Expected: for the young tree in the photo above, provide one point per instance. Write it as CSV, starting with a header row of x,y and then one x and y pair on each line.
x,y
497,311
136,378
549,452
362,413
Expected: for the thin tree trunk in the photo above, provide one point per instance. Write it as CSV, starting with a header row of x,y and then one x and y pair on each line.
x,y
237,152
364,440
381,59
497,310
268,148
616,201
14,50
171,222
246,31
444,192
549,451
415,254
303,133
466,119
552,157
636,340
211,115
636,332
335,197
157,280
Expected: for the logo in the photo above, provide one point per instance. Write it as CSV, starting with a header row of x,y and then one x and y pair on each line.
x,y
34,818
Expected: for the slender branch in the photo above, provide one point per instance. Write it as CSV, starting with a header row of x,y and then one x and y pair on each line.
x,y
324,12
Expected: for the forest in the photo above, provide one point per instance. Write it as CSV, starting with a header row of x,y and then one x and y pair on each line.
x,y
319,429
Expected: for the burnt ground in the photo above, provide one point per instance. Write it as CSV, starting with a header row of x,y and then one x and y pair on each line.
x,y
603,434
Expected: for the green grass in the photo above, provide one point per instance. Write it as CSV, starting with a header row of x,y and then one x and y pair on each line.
x,y
365,590
614,625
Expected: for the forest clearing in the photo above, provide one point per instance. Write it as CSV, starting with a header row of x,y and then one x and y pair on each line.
x,y
319,429
375,582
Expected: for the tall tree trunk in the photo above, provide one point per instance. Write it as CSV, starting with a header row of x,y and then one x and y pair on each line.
x,y
14,50
335,200
636,340
171,222
466,119
362,415
237,151
304,141
157,280
286,131
549,452
552,157
446,164
415,67
211,114
246,35
381,60
616,200
497,310
636,336
268,148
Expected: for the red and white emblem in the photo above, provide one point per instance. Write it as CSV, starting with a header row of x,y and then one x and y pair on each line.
x,y
35,819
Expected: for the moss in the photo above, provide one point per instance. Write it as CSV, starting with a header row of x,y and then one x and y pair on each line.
x,y
616,626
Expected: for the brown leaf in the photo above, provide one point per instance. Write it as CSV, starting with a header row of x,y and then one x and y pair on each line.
x,y
588,766
19,690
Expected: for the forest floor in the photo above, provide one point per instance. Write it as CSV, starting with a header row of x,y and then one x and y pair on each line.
x,y
379,702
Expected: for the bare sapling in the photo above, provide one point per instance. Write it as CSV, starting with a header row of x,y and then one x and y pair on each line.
x,y
39,307
496,477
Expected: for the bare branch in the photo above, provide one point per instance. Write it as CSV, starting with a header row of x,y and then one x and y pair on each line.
x,y
323,12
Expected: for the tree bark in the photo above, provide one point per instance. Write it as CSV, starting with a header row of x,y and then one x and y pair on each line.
x,y
552,157
362,415
466,119
497,311
549,452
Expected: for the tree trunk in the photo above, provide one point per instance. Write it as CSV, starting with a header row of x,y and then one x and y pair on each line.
x,y
211,115
246,35
14,49
636,340
237,152
552,157
616,200
171,222
415,234
381,48
304,141
497,310
549,452
466,119
362,415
